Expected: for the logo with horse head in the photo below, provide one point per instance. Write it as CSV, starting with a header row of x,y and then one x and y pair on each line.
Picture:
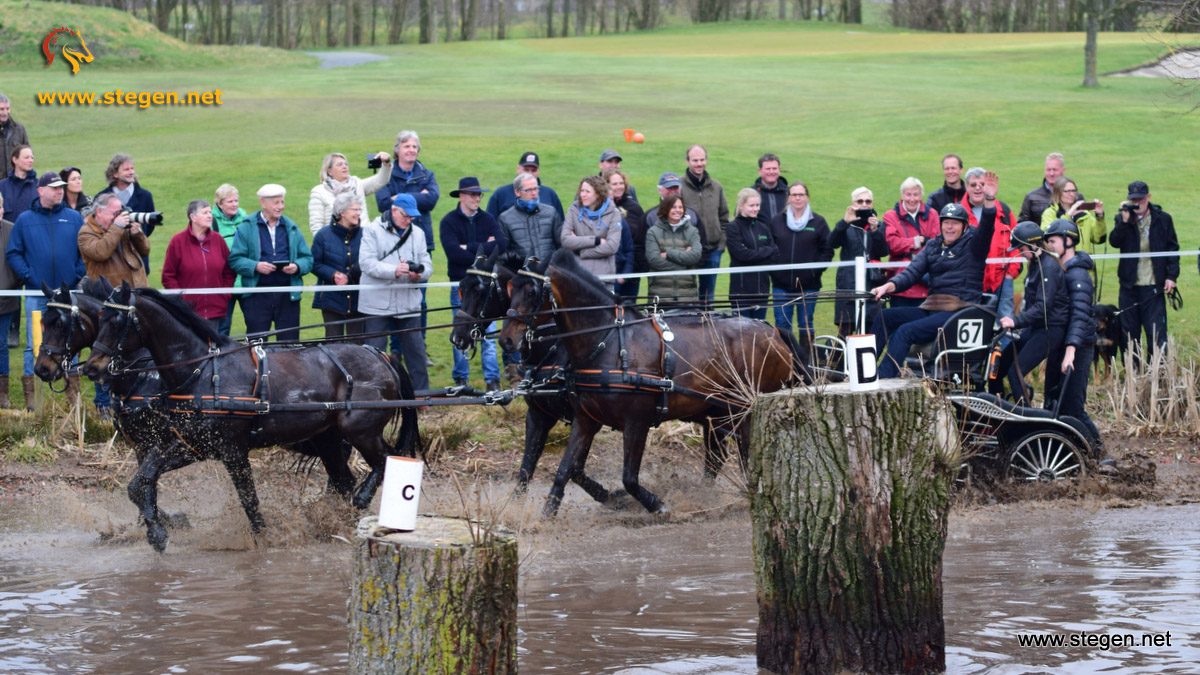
x,y
75,54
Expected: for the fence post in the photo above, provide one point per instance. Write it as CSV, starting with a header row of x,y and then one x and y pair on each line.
x,y
849,497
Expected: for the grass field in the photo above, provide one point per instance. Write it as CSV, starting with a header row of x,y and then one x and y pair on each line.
x,y
843,106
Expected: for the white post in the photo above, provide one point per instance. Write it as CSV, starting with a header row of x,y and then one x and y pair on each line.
x,y
860,287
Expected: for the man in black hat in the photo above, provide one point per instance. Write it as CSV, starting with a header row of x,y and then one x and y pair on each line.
x,y
467,232
1145,282
505,198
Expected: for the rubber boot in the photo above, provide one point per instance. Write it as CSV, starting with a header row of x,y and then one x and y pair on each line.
x,y
72,391
27,386
4,402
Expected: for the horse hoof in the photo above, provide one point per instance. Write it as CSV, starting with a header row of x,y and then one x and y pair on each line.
x,y
157,536
662,510
619,500
550,510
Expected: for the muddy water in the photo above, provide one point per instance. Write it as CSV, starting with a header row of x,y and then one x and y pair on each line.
x,y
618,595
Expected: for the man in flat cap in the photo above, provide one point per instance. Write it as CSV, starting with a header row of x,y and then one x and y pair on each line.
x,y
270,252
1141,226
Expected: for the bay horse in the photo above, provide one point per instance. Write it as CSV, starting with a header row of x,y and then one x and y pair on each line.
x,y
484,295
70,324
635,370
225,392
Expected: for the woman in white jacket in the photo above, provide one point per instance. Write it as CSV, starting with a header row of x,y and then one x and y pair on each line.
x,y
336,179
393,259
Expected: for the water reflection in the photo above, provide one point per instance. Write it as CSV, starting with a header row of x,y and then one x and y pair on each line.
x,y
661,599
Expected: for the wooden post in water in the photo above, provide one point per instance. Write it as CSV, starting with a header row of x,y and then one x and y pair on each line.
x,y
849,493
435,600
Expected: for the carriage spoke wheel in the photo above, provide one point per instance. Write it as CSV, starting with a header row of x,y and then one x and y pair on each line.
x,y
1045,456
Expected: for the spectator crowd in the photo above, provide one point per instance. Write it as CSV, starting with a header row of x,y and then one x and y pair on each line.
x,y
52,233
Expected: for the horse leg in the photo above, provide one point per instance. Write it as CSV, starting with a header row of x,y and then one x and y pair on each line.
x,y
375,450
334,453
578,444
537,428
635,447
237,463
714,450
143,491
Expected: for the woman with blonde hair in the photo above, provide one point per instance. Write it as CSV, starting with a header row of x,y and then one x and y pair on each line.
x,y
334,179
750,243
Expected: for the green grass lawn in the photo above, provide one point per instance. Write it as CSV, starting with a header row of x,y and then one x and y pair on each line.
x,y
843,106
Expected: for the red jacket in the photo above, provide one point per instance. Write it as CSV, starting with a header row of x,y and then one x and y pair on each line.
x,y
994,273
899,232
188,265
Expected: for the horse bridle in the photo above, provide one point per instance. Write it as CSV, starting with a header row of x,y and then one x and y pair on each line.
x,y
543,292
69,314
130,313
493,286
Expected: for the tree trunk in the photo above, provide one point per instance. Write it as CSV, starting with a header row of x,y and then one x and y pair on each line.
x,y
501,19
440,599
1089,51
427,21
849,493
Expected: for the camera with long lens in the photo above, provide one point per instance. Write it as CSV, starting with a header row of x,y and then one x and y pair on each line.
x,y
145,217
414,266
374,162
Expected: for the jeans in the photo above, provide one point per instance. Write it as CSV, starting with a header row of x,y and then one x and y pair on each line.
x,y
226,322
900,328
262,310
5,322
708,282
32,304
412,344
462,369
1005,298
803,307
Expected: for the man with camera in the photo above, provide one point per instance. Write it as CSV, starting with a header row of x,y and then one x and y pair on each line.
x,y
394,261
1141,226
112,245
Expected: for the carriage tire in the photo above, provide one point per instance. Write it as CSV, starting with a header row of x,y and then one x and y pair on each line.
x,y
1044,456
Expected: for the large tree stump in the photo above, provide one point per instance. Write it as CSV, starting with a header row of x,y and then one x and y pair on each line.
x,y
434,600
849,494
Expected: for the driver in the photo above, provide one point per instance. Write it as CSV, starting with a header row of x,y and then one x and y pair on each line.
x,y
954,264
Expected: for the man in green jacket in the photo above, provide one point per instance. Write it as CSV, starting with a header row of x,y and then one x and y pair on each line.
x,y
704,195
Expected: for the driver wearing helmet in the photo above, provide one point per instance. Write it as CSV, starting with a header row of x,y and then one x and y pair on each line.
x,y
1044,319
1067,369
954,263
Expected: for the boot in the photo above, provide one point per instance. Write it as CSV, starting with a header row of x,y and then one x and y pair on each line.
x,y
27,385
4,402
72,391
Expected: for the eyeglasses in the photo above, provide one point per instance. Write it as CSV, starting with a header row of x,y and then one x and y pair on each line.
x,y
797,194
528,191
864,201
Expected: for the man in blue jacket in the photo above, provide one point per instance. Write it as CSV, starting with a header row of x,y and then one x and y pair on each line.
x,y
269,250
466,232
44,250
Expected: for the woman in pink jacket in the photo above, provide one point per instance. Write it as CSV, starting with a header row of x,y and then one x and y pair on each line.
x,y
908,226
197,257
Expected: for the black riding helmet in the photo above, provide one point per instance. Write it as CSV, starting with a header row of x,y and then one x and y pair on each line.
x,y
954,211
1065,229
1026,233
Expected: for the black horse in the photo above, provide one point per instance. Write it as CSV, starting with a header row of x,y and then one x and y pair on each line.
x,y
320,394
70,324
634,370
484,293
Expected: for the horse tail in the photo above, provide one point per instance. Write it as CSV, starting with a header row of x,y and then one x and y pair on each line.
x,y
799,355
408,442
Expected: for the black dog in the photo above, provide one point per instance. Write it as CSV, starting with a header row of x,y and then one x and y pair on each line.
x,y
1109,338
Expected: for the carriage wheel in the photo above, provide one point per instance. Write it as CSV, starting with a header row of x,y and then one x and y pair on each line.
x,y
1045,456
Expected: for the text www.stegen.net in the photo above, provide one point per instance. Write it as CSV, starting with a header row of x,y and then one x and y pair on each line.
x,y
1104,641
139,99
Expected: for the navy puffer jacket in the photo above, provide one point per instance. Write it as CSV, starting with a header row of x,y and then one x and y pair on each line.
x,y
1046,300
956,269
1081,327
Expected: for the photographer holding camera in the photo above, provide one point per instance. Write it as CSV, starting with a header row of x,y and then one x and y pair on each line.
x,y
121,175
1145,282
393,258
335,180
1088,216
112,244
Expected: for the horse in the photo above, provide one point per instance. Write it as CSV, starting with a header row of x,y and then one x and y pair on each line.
x,y
484,293
625,361
69,325
223,392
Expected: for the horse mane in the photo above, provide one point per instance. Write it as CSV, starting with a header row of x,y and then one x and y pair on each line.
x,y
566,261
512,260
184,313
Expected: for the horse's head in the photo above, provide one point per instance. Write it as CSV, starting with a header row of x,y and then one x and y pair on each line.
x,y
529,304
75,54
65,331
483,295
118,335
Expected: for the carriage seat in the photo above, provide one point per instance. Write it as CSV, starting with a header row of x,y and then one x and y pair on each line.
x,y
1009,406
962,343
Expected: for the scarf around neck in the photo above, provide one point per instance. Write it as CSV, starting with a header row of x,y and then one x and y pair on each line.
x,y
798,224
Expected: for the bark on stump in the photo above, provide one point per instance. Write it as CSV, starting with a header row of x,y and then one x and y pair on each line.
x,y
849,496
434,600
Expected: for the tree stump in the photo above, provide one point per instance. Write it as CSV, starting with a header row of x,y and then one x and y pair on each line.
x,y
440,599
849,495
